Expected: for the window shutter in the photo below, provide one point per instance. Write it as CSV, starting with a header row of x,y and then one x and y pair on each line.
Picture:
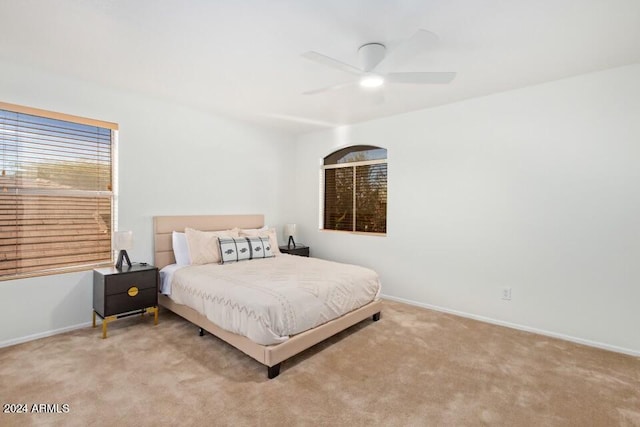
x,y
55,194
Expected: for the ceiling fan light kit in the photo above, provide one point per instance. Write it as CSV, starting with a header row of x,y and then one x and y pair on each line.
x,y
372,57
371,81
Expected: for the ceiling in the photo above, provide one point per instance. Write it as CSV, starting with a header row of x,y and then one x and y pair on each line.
x,y
243,58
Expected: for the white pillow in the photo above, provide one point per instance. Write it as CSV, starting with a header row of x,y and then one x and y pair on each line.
x,y
253,231
263,232
181,248
203,245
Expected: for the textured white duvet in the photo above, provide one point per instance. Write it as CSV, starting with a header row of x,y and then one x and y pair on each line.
x,y
267,300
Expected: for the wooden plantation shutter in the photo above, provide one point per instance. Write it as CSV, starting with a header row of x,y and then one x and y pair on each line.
x,y
355,190
55,192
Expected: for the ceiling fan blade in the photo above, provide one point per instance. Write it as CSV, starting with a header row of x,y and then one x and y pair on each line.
x,y
421,77
330,88
420,40
330,62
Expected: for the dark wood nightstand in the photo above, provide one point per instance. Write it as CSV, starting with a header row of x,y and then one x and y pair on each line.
x,y
300,250
121,292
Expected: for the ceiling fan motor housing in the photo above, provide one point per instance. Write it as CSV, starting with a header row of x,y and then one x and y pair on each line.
x,y
370,55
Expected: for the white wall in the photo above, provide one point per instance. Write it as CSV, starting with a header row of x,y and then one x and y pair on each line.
x,y
172,160
535,189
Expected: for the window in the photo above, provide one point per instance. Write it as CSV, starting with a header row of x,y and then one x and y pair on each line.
x,y
56,199
355,190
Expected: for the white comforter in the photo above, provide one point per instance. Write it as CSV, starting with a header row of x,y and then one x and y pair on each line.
x,y
267,300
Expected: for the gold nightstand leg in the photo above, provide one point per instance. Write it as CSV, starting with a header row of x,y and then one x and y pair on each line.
x,y
94,318
153,310
105,322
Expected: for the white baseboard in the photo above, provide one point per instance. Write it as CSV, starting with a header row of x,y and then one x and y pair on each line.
x,y
517,326
21,340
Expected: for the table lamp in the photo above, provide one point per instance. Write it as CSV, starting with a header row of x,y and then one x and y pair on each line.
x,y
290,234
122,240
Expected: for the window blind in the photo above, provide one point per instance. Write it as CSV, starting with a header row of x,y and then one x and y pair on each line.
x,y
355,195
371,198
55,194
338,199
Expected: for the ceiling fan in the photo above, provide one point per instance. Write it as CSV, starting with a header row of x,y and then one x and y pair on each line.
x,y
374,61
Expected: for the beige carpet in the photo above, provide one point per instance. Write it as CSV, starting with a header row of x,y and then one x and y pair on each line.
x,y
413,367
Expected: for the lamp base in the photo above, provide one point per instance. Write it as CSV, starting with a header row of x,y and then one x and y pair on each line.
x,y
122,255
291,241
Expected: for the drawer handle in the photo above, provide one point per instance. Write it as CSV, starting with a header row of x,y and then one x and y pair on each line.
x,y
133,291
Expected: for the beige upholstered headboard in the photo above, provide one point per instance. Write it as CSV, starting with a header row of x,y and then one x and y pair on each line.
x,y
163,226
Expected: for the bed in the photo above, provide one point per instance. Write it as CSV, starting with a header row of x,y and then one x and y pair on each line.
x,y
270,355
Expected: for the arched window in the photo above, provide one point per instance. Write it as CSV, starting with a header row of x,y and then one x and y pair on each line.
x,y
355,189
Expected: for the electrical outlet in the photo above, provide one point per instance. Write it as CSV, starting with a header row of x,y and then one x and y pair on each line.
x,y
506,294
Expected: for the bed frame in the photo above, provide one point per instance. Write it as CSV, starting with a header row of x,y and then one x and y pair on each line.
x,y
270,355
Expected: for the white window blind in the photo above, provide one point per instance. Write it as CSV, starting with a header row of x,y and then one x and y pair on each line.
x,y
56,198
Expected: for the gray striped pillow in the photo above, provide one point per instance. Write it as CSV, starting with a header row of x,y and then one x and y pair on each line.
x,y
244,248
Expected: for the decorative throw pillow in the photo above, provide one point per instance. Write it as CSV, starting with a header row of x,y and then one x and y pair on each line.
x,y
203,245
244,248
180,248
264,232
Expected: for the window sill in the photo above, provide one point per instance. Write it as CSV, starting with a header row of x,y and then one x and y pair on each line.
x,y
55,272
360,233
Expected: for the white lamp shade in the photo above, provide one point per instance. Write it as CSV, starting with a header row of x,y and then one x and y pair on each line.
x,y
123,240
290,230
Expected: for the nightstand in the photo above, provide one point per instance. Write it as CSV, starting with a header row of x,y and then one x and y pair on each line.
x,y
122,292
300,250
